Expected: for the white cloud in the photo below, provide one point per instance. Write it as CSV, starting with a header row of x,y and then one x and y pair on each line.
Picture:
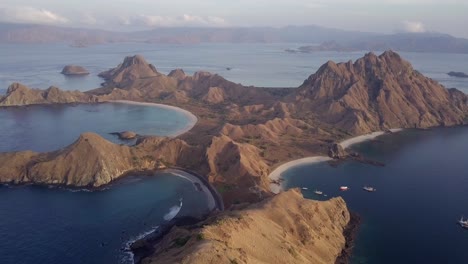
x,y
27,14
88,19
171,21
414,26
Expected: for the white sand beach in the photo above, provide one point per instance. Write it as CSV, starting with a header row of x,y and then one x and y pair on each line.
x,y
193,119
276,174
359,139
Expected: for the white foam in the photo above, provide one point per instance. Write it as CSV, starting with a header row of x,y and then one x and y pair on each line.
x,y
173,212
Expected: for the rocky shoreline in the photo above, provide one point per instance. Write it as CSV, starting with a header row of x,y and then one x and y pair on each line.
x,y
350,234
238,135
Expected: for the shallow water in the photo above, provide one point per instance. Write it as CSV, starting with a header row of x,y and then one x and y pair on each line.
x,y
421,193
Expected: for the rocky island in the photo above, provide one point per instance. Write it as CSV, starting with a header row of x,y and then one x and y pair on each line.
x,y
458,74
74,70
242,134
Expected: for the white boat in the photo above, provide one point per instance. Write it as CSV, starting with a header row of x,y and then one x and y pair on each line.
x,y
369,189
344,188
305,188
318,192
463,223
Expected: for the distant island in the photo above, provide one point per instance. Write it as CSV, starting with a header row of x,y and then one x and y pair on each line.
x,y
458,74
242,135
331,39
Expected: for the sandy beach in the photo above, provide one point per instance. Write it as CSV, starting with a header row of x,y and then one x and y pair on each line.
x,y
276,174
193,119
359,139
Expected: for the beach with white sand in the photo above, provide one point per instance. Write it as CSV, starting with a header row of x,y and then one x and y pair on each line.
x,y
276,185
192,118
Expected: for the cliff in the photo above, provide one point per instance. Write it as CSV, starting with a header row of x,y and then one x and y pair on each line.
x,y
18,95
283,229
378,93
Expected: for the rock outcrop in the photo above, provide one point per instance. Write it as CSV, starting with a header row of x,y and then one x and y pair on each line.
x,y
336,151
378,93
126,135
74,70
18,95
284,229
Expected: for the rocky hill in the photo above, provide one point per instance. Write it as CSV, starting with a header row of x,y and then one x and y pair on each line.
x,y
18,94
378,93
91,161
284,229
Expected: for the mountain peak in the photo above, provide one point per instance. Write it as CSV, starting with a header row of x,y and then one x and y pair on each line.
x,y
131,69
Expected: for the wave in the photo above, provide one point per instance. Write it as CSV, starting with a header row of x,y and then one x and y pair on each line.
x,y
173,211
128,254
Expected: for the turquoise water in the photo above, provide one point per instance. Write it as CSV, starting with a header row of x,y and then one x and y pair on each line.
x,y
47,128
421,193
252,64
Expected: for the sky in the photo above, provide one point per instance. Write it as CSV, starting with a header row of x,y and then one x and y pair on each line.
x,y
383,16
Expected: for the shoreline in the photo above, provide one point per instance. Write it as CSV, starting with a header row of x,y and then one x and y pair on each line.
x,y
193,119
276,185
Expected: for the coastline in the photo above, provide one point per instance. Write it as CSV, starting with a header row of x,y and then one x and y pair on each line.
x,y
193,119
275,176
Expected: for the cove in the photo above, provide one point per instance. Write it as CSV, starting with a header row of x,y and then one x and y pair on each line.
x,y
421,193
50,127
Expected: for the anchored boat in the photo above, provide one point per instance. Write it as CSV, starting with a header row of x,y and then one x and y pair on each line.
x,y
463,223
318,192
344,188
369,189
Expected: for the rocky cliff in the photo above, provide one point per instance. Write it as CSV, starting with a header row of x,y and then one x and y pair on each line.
x,y
378,93
18,95
284,229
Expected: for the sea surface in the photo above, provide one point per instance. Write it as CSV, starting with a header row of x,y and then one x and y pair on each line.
x,y
47,128
410,219
41,225
421,193
266,65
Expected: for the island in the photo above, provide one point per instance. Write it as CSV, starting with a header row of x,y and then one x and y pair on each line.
x,y
458,74
242,135
74,70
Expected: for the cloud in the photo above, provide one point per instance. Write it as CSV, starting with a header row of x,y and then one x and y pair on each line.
x,y
27,14
414,26
173,21
88,19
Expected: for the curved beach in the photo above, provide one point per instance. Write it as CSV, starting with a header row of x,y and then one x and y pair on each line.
x,y
275,176
192,118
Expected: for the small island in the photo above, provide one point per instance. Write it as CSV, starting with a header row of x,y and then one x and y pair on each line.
x,y
74,70
458,74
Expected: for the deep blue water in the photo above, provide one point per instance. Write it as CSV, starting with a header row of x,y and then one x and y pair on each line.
x,y
252,64
421,193
39,225
47,128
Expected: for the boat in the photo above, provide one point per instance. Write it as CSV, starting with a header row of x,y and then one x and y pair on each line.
x,y
318,192
369,189
305,188
344,188
463,223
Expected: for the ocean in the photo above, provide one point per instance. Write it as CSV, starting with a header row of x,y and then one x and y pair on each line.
x,y
410,219
421,194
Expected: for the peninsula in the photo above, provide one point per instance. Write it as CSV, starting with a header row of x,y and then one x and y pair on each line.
x,y
242,134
